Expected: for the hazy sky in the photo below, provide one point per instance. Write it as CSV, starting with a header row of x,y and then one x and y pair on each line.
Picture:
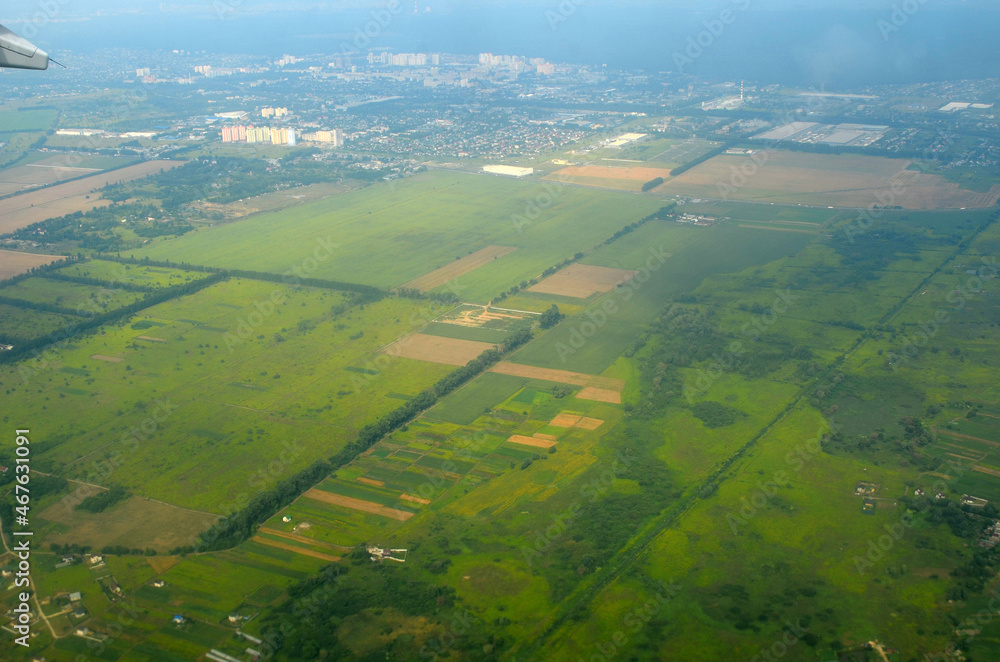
x,y
818,43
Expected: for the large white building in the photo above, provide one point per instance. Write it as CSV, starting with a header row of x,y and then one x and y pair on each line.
x,y
510,171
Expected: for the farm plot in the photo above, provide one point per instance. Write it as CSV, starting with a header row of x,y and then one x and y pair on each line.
x,y
484,317
461,266
242,383
437,349
845,181
358,504
42,172
582,281
421,224
136,522
83,299
559,376
13,263
22,210
130,274
627,178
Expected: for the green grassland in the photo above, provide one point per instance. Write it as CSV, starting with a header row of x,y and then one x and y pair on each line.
x,y
732,558
664,274
27,119
210,357
419,225
85,299
132,274
759,392
19,323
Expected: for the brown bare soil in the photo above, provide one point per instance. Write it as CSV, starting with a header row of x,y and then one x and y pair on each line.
x,y
823,179
414,499
160,564
589,423
369,481
600,395
581,281
479,317
294,548
559,376
531,441
987,470
637,174
109,359
565,420
358,504
568,420
949,433
137,522
22,210
464,265
13,263
297,538
437,349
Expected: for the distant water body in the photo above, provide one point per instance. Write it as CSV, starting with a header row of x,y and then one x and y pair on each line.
x,y
821,49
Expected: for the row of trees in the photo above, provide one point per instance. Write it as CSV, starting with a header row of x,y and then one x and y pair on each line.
x,y
373,292
681,169
241,525
25,348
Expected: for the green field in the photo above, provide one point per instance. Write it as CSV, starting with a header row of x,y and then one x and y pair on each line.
x,y
765,377
27,119
20,323
84,299
420,224
294,405
132,274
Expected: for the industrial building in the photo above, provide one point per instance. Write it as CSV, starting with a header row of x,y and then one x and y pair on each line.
x,y
509,171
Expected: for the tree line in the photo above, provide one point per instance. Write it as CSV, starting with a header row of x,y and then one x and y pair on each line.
x,y
240,526
25,348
